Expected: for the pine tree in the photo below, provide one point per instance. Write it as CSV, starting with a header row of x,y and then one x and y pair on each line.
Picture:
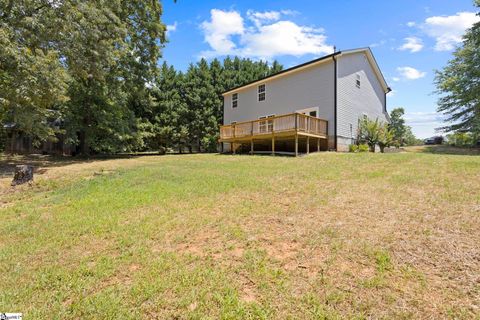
x,y
201,100
459,85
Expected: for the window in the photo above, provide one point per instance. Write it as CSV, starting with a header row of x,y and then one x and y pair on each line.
x,y
234,100
358,81
266,125
313,113
261,92
351,130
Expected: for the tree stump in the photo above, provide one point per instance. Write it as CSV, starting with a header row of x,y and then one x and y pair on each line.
x,y
23,174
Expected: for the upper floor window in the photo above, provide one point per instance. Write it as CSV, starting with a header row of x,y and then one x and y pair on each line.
x,y
261,92
234,100
358,81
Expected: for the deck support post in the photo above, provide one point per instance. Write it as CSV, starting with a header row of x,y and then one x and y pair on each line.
x,y
296,145
308,144
251,147
273,145
233,147
318,144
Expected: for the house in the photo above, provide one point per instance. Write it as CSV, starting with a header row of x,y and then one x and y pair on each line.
x,y
310,107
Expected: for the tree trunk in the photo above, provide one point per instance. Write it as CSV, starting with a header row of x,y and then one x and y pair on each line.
x,y
84,148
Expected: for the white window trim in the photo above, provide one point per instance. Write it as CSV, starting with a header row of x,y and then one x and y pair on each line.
x,y
308,110
266,124
234,100
264,92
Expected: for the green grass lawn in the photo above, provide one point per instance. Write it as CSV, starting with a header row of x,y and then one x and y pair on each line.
x,y
240,237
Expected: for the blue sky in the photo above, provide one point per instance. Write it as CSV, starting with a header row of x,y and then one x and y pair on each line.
x,y
410,39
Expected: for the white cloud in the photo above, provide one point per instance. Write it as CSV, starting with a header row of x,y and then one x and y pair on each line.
x,y
411,24
171,28
423,117
448,30
269,36
396,79
413,44
392,93
260,18
220,29
285,38
424,123
409,73
378,44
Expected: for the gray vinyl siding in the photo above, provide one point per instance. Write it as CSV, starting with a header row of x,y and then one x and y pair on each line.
x,y
354,102
312,87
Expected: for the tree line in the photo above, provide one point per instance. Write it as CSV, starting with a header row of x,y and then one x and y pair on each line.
x,y
185,109
459,87
88,71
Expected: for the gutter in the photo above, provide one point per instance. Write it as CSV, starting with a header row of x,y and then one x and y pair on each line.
x,y
335,99
385,106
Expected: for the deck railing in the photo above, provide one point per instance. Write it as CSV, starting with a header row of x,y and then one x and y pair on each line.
x,y
295,122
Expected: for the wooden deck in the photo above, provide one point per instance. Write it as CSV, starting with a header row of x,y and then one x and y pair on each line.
x,y
290,125
284,125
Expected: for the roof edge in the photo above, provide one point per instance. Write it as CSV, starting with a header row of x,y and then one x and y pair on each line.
x,y
305,64
369,52
374,63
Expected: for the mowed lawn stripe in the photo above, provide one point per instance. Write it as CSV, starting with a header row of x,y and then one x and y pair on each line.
x,y
209,236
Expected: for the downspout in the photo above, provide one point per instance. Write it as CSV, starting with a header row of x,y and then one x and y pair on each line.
x,y
335,101
385,105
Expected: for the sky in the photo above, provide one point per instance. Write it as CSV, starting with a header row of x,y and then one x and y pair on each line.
x,y
410,39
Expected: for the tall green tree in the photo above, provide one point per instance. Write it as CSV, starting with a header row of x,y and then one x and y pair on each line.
x,y
82,62
401,133
410,139
170,113
33,80
459,84
397,126
112,52
202,101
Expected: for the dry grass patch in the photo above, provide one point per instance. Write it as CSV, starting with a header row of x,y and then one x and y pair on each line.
x,y
209,236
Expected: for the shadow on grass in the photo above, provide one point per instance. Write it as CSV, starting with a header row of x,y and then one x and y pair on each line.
x,y
445,149
8,162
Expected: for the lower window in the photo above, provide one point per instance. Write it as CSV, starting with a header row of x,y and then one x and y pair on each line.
x,y
266,125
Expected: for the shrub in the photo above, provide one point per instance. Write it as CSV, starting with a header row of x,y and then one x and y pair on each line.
x,y
375,133
353,148
385,137
461,139
363,148
368,132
